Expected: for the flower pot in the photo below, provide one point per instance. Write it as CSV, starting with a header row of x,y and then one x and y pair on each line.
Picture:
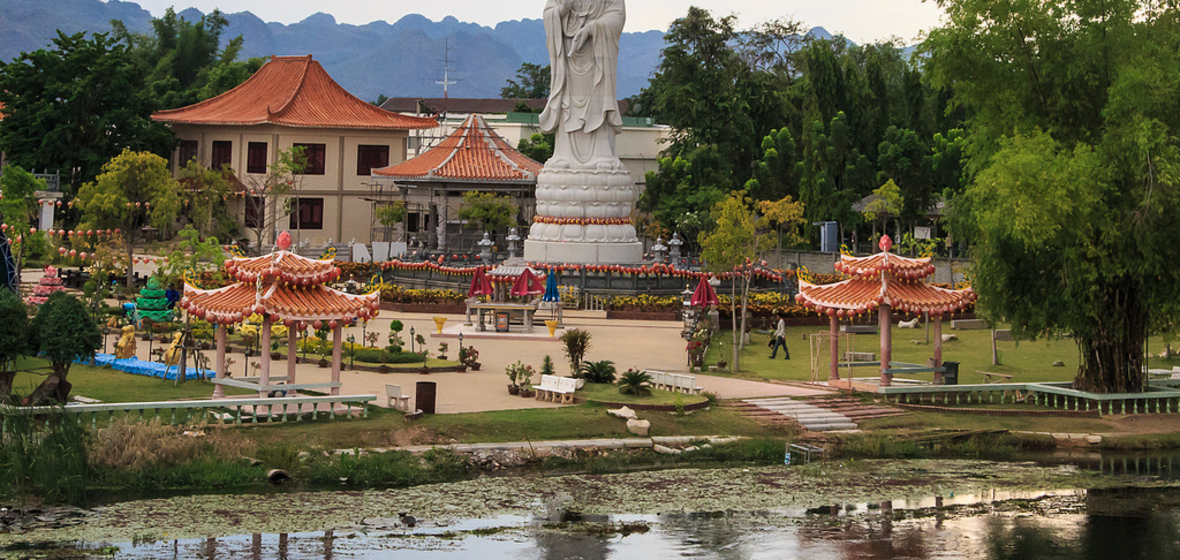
x,y
552,324
439,322
513,390
276,355
382,368
527,393
461,368
324,363
475,366
424,370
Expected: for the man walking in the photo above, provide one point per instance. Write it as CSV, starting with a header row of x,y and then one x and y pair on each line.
x,y
780,338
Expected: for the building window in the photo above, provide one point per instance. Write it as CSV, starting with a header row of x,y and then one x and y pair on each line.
x,y
223,153
369,158
316,155
256,157
255,214
309,214
186,152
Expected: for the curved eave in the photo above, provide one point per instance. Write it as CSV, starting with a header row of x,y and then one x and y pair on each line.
x,y
874,264
284,302
285,265
318,126
865,294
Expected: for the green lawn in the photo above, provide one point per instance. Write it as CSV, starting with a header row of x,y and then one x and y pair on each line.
x,y
1024,361
603,392
108,385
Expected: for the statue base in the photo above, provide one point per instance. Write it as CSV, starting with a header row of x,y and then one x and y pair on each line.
x,y
573,252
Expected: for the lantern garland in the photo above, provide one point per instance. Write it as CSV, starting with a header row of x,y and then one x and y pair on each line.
x,y
658,269
581,221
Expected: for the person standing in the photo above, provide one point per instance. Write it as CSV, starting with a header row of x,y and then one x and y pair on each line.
x,y
780,338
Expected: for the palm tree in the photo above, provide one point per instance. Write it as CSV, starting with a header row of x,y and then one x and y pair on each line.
x,y
636,383
602,371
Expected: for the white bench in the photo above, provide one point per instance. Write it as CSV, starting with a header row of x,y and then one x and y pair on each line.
x,y
393,394
556,389
674,382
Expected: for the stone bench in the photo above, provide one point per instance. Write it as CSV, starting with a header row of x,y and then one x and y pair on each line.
x,y
395,398
860,356
556,389
968,324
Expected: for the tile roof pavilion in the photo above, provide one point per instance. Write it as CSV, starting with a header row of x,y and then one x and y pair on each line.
x,y
472,153
292,91
883,282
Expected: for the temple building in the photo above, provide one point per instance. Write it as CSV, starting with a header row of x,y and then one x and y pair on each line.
x,y
291,101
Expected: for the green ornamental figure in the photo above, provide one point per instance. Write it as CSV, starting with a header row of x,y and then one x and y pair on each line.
x,y
152,303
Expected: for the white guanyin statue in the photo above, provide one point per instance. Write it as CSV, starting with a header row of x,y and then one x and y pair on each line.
x,y
585,195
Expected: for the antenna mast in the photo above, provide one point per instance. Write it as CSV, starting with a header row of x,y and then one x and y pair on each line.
x,y
446,81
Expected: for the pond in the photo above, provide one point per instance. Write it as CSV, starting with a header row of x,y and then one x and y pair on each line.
x,y
871,509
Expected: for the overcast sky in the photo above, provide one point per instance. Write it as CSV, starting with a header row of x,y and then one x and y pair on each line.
x,y
860,20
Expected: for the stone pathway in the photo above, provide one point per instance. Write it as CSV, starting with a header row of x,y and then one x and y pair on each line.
x,y
811,417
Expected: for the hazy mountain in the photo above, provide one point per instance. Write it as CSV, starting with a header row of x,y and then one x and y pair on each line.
x,y
402,59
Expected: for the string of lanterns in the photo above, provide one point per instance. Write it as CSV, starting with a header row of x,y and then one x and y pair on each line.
x,y
581,221
658,269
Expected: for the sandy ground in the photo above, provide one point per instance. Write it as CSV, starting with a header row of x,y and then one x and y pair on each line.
x,y
651,345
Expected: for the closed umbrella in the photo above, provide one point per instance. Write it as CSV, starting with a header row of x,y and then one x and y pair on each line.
x,y
551,288
527,284
480,285
704,295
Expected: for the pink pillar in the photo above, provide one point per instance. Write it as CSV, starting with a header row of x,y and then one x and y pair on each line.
x,y
219,365
938,349
292,354
885,325
337,335
264,348
835,328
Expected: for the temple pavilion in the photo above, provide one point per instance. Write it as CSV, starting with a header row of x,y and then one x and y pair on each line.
x,y
281,286
885,282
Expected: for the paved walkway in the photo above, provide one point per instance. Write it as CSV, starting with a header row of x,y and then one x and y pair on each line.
x,y
652,345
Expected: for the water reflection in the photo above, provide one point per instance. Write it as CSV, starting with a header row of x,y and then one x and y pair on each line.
x,y
1097,525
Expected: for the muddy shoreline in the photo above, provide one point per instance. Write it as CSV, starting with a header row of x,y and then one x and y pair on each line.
x,y
678,490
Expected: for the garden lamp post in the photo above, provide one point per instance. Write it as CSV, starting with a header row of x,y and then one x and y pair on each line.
x,y
512,239
485,249
411,340
674,245
460,341
658,250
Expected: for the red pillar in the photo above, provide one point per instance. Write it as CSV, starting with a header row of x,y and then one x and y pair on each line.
x,y
938,349
264,349
885,325
835,328
292,353
337,346
219,365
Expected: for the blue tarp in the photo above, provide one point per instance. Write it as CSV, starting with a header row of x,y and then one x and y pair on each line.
x,y
150,369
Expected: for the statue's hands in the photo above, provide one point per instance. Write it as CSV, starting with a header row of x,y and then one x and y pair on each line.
x,y
581,37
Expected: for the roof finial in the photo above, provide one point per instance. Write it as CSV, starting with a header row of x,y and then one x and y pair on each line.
x,y
885,243
284,241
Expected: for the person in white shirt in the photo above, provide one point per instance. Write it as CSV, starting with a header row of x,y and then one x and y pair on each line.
x,y
780,339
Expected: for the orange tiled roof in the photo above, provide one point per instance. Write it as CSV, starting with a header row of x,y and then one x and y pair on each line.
x,y
291,91
871,265
858,295
285,265
284,301
474,152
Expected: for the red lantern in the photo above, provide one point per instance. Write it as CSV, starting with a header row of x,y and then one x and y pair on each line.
x,y
73,252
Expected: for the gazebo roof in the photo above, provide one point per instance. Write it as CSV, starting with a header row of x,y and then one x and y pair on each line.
x,y
473,153
883,279
291,91
284,285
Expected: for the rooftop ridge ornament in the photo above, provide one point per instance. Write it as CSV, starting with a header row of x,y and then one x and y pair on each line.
x,y
283,243
886,243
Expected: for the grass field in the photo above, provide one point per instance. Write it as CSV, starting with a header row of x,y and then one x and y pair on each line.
x,y
603,392
108,385
1023,360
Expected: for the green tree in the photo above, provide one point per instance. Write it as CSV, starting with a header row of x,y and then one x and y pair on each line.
x,y
391,214
1073,126
75,107
488,211
774,173
19,209
787,217
735,244
684,189
538,147
205,191
14,326
886,203
135,190
531,82
194,256
64,331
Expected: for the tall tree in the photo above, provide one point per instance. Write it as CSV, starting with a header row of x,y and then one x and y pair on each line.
x,y
1075,114
269,198
488,210
532,82
76,106
63,332
734,243
19,209
136,189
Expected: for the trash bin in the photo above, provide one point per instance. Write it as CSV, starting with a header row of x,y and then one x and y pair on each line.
x,y
951,375
424,393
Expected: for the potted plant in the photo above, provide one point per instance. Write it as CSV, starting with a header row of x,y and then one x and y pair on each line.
x,y
469,357
442,350
696,353
514,371
525,378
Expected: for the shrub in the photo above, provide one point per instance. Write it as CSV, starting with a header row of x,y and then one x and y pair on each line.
x,y
576,342
634,382
602,371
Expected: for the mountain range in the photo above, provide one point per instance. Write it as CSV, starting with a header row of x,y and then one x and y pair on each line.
x,y
401,59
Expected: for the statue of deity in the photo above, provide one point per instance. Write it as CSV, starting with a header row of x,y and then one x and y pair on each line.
x,y
583,111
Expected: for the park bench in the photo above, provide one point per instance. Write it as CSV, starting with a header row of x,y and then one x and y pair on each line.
x,y
393,394
968,324
674,382
859,329
860,357
556,389
989,377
